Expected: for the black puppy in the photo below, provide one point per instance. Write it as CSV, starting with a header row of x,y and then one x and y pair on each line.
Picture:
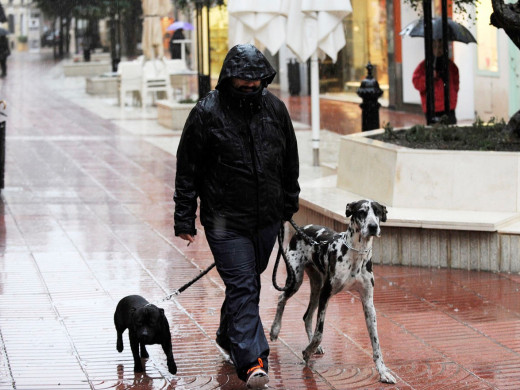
x,y
146,324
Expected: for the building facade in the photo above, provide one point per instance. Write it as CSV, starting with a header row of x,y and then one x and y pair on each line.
x,y
489,76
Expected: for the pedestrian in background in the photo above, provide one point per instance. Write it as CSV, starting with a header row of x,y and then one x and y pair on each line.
x,y
175,48
419,82
4,53
238,154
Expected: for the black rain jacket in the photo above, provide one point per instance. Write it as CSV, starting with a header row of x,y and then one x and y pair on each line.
x,y
237,154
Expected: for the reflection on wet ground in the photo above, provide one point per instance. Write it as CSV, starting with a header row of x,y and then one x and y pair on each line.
x,y
86,218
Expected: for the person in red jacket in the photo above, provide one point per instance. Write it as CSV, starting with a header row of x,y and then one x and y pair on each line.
x,y
419,82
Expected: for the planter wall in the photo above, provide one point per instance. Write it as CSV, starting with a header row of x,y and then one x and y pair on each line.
x,y
431,179
85,69
173,115
102,86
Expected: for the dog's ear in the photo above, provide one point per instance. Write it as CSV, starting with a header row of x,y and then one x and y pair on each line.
x,y
161,312
349,211
381,210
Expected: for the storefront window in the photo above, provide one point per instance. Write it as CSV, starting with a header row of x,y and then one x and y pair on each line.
x,y
365,32
487,54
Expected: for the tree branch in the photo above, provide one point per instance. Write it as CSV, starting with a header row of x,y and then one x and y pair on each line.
x,y
507,17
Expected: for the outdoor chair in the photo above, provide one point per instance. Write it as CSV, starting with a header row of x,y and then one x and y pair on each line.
x,y
155,80
130,80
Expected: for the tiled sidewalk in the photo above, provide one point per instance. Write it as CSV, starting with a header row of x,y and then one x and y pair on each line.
x,y
87,219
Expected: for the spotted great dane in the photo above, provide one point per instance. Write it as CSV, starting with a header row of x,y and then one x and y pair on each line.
x,y
335,262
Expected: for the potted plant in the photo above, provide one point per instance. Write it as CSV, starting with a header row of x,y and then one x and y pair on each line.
x,y
22,43
173,114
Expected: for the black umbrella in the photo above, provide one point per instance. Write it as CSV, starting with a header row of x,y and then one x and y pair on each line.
x,y
3,31
456,31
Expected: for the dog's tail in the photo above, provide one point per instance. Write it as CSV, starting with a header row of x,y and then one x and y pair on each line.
x,y
289,283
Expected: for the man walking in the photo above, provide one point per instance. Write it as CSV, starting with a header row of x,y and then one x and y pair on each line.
x,y
238,154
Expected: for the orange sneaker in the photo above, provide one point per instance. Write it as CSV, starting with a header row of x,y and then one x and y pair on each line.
x,y
257,378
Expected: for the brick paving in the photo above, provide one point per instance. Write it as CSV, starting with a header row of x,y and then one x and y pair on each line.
x,y
86,218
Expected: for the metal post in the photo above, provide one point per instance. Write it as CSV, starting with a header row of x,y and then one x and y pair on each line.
x,y
315,109
445,55
428,54
203,79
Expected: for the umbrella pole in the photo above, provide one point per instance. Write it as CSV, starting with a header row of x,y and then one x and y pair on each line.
x,y
445,72
315,109
428,54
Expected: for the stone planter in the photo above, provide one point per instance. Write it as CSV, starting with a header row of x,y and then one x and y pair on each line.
x,y
86,69
429,179
173,115
100,85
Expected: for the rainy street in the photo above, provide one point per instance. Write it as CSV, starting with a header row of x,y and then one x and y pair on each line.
x,y
87,218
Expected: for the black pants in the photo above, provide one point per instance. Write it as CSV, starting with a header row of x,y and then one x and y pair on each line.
x,y
3,66
240,258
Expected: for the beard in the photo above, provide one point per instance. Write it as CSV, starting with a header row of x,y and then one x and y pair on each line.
x,y
245,89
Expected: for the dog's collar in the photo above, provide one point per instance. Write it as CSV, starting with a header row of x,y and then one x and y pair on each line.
x,y
363,252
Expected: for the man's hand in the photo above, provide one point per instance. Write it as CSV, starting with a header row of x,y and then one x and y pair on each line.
x,y
187,237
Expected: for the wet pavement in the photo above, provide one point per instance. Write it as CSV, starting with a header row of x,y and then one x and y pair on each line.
x,y
86,219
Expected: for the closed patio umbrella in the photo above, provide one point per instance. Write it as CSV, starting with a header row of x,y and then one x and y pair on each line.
x,y
258,19
152,40
314,26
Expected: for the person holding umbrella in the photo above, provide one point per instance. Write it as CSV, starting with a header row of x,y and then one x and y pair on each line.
x,y
448,80
419,82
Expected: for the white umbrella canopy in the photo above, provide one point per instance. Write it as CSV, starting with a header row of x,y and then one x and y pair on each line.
x,y
264,20
152,40
315,26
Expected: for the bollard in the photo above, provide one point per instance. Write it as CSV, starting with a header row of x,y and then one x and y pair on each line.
x,y
2,153
369,91
293,70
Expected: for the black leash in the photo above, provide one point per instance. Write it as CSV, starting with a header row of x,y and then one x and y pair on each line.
x,y
185,286
281,253
289,284
290,273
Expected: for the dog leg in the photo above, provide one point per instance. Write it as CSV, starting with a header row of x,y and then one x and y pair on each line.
x,y
119,344
316,282
320,322
284,296
120,328
277,322
367,298
134,345
170,361
144,352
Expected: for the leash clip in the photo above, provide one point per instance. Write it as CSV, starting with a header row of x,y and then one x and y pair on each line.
x,y
174,293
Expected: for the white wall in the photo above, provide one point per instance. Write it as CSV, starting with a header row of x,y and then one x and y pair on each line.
x,y
492,90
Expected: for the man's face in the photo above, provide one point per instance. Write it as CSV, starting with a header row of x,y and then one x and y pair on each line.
x,y
245,85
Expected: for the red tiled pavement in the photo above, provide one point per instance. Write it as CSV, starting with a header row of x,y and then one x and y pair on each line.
x,y
87,219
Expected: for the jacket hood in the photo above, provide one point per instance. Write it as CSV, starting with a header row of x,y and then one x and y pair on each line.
x,y
248,63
